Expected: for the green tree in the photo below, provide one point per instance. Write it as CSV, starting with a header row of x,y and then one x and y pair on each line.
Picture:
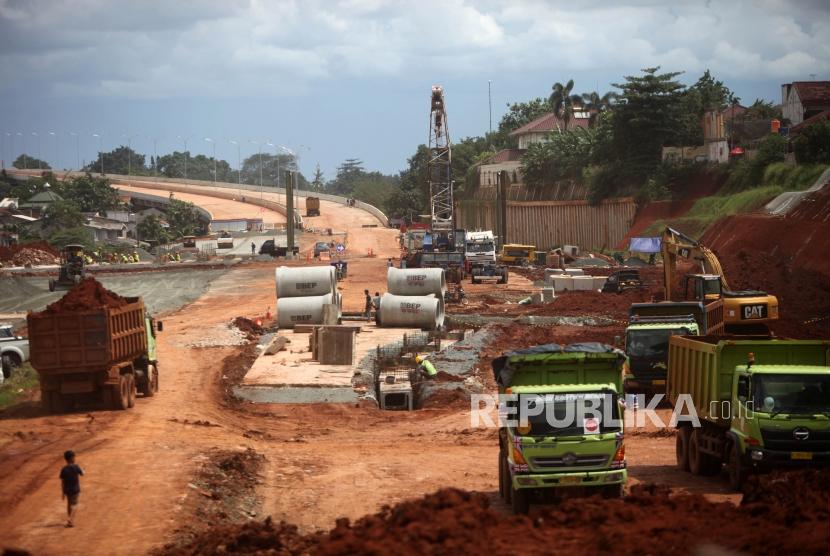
x,y
122,160
151,229
812,146
564,156
375,189
347,177
68,236
89,193
647,117
182,218
760,110
597,105
521,113
563,102
411,197
24,161
61,215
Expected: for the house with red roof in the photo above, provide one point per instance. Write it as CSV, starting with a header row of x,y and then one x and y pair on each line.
x,y
802,100
536,131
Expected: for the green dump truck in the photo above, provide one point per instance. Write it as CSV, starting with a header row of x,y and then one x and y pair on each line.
x,y
560,421
650,325
762,403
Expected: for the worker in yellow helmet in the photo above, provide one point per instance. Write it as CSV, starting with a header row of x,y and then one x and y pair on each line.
x,y
426,367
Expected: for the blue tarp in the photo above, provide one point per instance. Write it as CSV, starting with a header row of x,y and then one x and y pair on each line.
x,y
645,244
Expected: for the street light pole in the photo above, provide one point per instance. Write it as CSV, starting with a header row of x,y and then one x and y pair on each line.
x,y
238,162
77,149
39,156
57,149
25,166
209,140
186,154
100,149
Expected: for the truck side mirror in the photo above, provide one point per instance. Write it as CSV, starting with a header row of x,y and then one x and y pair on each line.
x,y
743,388
159,326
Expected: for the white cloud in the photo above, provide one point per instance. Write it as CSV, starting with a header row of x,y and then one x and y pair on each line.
x,y
156,48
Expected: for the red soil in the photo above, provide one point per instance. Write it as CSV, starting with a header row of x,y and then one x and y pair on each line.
x,y
779,514
88,295
650,213
8,253
787,257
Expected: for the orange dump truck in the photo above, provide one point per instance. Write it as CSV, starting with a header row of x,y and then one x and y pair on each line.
x,y
94,354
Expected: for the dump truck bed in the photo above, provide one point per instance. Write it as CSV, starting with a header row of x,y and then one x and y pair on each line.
x,y
709,317
78,341
704,366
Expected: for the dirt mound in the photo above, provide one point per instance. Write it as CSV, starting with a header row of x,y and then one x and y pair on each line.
x,y
30,254
88,295
592,303
771,520
786,257
651,213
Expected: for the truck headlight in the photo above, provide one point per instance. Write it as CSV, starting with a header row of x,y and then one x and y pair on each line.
x,y
756,455
613,477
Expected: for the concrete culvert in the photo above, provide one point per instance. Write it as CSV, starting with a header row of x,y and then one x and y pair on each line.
x,y
416,281
304,310
305,281
411,311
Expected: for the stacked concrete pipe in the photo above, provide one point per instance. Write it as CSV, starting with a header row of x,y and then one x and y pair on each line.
x,y
415,298
302,292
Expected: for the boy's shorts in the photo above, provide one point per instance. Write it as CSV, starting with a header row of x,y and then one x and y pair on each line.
x,y
72,499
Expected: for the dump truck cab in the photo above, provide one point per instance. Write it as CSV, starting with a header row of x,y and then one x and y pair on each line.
x,y
762,403
647,349
564,426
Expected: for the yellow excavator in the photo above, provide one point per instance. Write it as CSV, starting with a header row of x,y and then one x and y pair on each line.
x,y
745,312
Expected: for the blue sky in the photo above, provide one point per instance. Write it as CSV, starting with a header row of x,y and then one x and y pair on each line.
x,y
351,79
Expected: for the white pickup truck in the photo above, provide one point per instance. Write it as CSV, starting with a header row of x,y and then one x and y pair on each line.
x,y
14,350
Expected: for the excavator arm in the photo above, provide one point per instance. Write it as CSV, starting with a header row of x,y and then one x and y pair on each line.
x,y
740,307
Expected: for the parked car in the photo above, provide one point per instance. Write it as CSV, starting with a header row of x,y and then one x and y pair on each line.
x,y
268,247
14,350
321,247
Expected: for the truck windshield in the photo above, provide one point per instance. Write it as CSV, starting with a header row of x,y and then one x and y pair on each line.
x,y
792,393
480,247
651,342
574,414
517,253
6,333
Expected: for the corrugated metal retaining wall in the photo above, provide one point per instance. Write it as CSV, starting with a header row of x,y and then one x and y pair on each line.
x,y
547,224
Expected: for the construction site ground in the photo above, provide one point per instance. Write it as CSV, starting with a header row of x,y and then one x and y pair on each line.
x,y
195,457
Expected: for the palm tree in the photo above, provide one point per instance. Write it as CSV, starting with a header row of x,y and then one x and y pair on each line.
x,y
596,105
563,102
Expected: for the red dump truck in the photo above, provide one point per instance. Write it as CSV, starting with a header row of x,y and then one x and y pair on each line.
x,y
94,354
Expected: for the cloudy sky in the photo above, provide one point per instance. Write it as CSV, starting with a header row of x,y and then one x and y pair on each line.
x,y
341,79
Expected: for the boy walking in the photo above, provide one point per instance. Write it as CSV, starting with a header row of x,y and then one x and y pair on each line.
x,y
70,486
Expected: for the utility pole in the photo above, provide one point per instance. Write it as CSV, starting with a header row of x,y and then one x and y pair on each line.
x,y
100,150
209,140
289,212
490,104
77,149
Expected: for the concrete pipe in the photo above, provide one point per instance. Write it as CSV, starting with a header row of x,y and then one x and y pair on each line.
x,y
304,310
303,281
411,311
416,281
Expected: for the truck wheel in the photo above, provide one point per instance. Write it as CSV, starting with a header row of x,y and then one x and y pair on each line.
x,y
681,447
51,285
9,364
52,401
150,382
131,390
504,277
520,500
120,394
700,463
737,471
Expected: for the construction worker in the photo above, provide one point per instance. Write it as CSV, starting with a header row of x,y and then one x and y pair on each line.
x,y
367,312
253,248
427,368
